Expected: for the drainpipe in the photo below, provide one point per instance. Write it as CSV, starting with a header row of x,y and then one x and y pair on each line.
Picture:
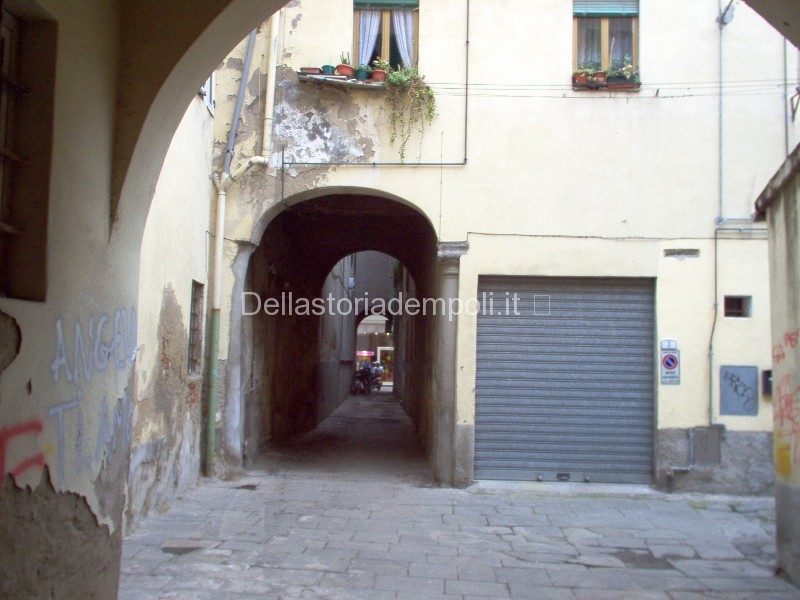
x,y
787,146
222,184
724,18
713,330
272,67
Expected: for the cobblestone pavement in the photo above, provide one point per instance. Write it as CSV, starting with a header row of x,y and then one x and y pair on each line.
x,y
336,532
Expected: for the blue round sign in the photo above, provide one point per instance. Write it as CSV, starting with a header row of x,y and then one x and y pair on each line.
x,y
670,362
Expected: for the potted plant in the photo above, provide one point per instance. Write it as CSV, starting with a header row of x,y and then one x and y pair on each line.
x,y
599,77
344,67
411,102
363,72
381,68
328,70
624,75
583,75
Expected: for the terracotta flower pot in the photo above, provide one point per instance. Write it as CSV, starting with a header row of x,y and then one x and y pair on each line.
x,y
599,77
346,70
580,79
378,75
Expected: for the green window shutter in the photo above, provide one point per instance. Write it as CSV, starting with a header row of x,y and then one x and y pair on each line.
x,y
605,8
386,4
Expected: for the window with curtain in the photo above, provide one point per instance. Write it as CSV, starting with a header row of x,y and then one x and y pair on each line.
x,y
386,29
606,33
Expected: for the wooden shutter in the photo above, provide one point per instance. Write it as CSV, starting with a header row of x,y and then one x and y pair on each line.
x,y
605,8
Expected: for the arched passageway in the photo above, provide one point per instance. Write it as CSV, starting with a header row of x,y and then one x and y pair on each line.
x,y
136,65
301,365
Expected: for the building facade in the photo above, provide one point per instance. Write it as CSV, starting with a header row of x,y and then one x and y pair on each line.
x,y
108,85
656,347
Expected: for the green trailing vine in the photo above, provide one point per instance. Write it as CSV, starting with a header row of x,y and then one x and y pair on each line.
x,y
411,104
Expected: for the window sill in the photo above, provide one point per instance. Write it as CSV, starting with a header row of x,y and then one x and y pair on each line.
x,y
339,81
607,86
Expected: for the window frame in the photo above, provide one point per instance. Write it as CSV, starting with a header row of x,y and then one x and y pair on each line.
x,y
27,152
386,29
9,96
605,39
737,306
194,365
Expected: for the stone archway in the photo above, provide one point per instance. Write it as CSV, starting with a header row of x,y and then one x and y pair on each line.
x,y
299,246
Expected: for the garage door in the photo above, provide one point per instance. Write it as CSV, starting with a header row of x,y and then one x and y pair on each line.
x,y
564,389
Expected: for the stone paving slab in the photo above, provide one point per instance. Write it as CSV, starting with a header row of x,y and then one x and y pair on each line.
x,y
336,520
294,536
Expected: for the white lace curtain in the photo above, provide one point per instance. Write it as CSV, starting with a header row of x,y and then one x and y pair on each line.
x,y
403,26
403,23
369,26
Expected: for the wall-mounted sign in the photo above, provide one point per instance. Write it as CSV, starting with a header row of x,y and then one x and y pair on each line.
x,y
670,367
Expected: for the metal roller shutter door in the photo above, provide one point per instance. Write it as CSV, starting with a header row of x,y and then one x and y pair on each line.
x,y
569,395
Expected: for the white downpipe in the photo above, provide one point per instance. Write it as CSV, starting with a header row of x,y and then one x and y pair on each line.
x,y
219,232
272,67
223,185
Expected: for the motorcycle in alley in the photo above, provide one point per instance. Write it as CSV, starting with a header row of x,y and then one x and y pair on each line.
x,y
377,376
361,383
367,379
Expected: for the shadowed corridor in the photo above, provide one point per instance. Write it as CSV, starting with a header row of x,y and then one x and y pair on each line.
x,y
367,437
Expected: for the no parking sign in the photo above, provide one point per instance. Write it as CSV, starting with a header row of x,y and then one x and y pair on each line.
x,y
670,367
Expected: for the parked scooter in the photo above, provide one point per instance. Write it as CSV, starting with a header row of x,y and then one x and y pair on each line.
x,y
377,375
367,378
362,381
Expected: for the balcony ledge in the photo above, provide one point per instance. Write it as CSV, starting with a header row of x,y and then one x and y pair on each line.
x,y
339,81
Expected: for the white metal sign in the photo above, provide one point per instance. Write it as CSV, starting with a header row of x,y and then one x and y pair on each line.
x,y
670,367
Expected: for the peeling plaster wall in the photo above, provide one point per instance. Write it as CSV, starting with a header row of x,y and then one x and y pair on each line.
x,y
165,453
54,520
124,71
784,257
65,399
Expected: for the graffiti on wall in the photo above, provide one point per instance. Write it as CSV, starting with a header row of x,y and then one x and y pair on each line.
x,y
100,344
787,425
95,347
21,430
787,407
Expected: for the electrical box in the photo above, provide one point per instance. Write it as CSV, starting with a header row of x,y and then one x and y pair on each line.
x,y
707,446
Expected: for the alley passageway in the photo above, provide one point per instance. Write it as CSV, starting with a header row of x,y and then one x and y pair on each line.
x,y
303,535
366,438
347,511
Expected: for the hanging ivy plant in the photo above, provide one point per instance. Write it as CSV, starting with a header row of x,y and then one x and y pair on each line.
x,y
411,104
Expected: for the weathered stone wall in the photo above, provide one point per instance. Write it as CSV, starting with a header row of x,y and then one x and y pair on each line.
x,y
745,467
166,464
55,521
165,455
